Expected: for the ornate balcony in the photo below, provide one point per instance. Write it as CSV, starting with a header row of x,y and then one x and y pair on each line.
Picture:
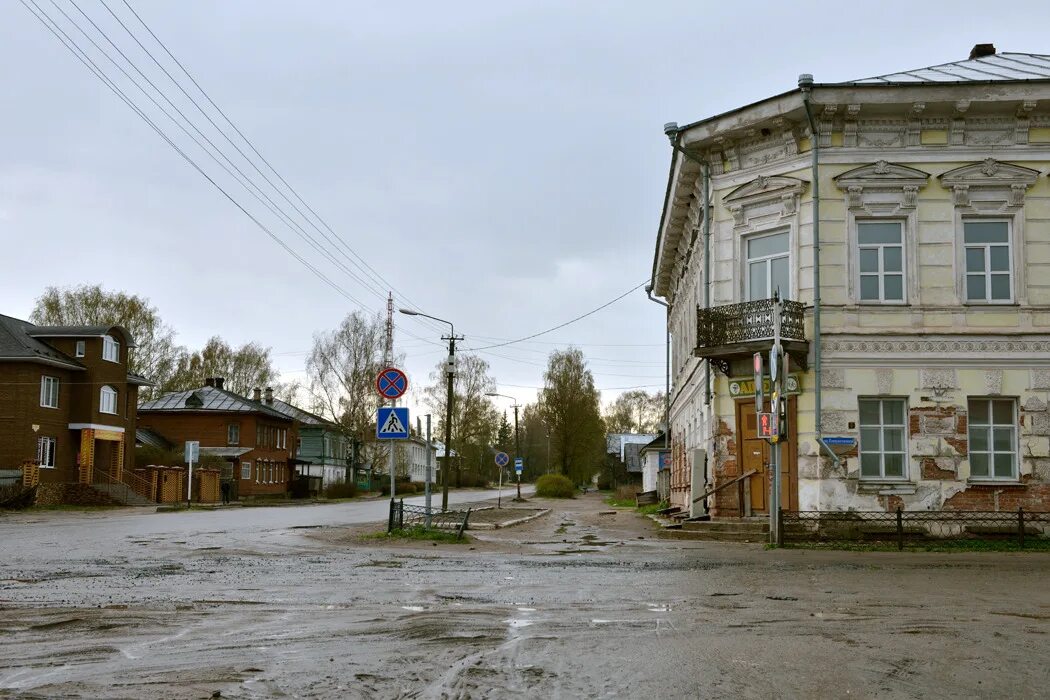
x,y
736,331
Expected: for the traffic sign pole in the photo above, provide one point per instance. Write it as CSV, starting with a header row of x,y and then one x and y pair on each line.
x,y
777,452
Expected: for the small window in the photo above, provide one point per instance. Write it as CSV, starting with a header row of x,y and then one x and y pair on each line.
x,y
110,349
49,392
233,434
246,471
993,438
299,447
45,452
81,348
883,438
880,260
108,400
989,273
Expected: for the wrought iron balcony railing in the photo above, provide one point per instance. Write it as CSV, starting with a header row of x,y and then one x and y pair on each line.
x,y
736,329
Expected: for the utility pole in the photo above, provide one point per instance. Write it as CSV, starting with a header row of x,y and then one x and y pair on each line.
x,y
429,475
517,444
450,397
449,400
388,357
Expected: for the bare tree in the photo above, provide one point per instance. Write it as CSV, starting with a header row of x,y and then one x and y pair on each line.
x,y
635,411
342,369
243,368
155,355
475,422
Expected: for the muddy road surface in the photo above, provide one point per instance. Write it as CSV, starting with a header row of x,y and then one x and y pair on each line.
x,y
275,602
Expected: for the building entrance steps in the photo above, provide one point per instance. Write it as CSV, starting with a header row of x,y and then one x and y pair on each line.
x,y
745,530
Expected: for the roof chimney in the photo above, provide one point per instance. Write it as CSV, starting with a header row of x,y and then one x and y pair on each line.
x,y
256,394
981,50
269,395
220,382
209,381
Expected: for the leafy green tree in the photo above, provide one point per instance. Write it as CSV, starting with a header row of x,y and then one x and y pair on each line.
x,y
505,436
570,405
155,355
475,421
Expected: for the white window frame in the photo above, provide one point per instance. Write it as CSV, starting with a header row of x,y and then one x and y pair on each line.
x,y
110,349
789,254
246,471
46,448
80,348
990,426
879,247
107,395
49,385
986,247
233,433
881,451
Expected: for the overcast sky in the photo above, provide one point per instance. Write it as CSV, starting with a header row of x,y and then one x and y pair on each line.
x,y
502,164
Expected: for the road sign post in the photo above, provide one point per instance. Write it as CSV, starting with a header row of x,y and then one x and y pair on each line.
x,y
519,465
392,383
777,452
193,454
502,460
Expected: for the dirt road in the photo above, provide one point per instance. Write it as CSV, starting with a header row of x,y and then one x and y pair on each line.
x,y
573,604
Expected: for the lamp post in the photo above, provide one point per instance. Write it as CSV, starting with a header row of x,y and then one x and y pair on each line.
x,y
517,438
450,373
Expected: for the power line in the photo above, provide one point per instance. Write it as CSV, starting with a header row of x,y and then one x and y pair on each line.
x,y
563,325
375,276
244,180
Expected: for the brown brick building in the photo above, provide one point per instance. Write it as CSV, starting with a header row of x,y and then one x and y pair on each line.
x,y
67,403
256,441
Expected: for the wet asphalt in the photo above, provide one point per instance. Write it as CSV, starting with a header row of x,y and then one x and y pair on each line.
x,y
301,602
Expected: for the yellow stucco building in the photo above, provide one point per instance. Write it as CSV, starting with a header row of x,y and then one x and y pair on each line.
x,y
918,312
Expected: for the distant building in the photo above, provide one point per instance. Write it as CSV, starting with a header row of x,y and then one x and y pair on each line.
x,y
655,457
256,441
67,405
322,449
414,452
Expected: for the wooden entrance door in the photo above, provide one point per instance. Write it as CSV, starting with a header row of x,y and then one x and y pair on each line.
x,y
755,453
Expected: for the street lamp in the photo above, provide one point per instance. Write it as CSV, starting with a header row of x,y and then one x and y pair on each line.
x,y
450,373
517,438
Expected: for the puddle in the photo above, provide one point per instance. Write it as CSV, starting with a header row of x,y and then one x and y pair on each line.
x,y
660,608
413,608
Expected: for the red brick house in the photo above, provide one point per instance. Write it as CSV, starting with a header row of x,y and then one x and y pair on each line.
x,y
68,405
257,442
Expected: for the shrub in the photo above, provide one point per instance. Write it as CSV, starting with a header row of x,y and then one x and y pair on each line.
x,y
347,489
555,486
627,493
404,488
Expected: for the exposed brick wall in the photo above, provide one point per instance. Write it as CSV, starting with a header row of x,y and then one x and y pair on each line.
x,y
726,503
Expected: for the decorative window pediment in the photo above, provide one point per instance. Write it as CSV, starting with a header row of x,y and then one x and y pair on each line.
x,y
882,183
992,180
775,194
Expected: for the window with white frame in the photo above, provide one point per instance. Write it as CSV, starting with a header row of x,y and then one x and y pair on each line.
x,y
233,434
880,260
883,441
110,349
246,471
768,266
81,348
45,452
993,438
989,272
49,392
108,400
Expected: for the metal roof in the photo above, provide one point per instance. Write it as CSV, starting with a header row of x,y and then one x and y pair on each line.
x,y
16,343
208,398
152,439
299,414
993,68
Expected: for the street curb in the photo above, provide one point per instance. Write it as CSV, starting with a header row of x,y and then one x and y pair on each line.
x,y
509,523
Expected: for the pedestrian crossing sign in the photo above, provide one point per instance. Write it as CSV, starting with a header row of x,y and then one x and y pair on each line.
x,y
392,423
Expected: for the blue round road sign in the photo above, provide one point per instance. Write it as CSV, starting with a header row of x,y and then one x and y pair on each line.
x,y
392,383
502,459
